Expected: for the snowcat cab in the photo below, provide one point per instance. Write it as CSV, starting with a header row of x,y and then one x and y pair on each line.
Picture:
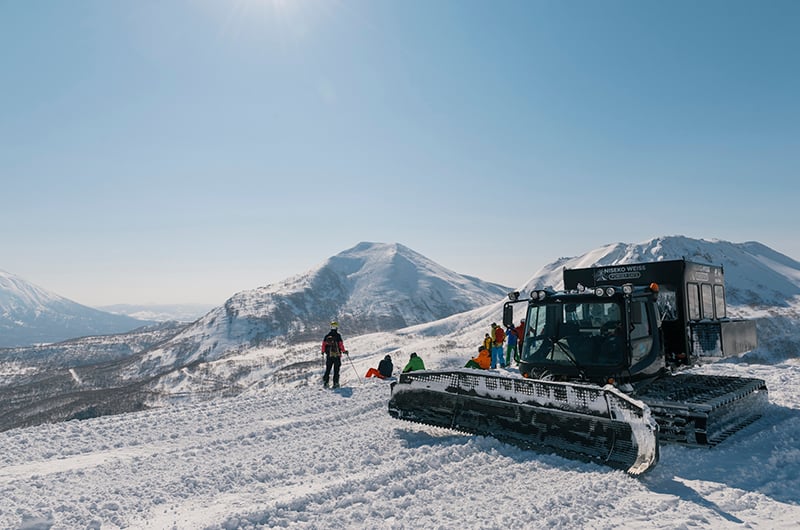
x,y
603,335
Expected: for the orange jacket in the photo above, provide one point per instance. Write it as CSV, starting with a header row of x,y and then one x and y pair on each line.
x,y
484,359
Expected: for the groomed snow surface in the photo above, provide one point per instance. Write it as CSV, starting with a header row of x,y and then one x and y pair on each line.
x,y
307,457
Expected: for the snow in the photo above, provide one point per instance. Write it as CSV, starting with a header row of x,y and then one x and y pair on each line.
x,y
289,454
305,457
14,292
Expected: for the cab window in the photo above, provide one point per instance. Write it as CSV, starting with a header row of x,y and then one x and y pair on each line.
x,y
641,338
707,301
693,300
719,301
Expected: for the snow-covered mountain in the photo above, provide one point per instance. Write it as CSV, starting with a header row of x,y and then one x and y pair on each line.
x,y
760,283
371,287
30,315
756,276
270,336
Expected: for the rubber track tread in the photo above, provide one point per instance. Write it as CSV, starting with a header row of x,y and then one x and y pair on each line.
x,y
577,421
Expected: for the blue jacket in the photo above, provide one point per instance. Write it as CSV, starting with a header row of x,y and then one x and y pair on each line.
x,y
511,336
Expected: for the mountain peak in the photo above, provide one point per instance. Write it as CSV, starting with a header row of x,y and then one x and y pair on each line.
x,y
30,314
761,275
16,293
368,288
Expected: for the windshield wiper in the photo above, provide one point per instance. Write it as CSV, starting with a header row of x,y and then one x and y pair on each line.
x,y
557,342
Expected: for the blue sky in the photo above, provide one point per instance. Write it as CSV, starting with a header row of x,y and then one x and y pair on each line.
x,y
181,151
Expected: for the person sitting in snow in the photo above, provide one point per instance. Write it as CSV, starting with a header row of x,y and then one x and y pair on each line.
x,y
414,363
385,369
482,362
332,349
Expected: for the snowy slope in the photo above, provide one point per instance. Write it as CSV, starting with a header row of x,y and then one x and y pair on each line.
x,y
283,452
302,457
30,314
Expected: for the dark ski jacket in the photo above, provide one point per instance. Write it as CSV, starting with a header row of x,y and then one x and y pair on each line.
x,y
333,347
385,367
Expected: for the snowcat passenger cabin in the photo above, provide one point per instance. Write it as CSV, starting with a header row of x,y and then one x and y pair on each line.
x,y
691,306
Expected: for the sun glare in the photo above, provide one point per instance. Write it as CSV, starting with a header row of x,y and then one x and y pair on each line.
x,y
288,19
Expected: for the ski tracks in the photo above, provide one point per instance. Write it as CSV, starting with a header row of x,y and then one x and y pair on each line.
x,y
176,453
312,458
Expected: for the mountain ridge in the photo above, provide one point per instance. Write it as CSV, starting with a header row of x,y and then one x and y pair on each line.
x,y
30,314
270,335
371,287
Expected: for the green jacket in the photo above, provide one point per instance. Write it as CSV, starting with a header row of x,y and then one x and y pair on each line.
x,y
414,363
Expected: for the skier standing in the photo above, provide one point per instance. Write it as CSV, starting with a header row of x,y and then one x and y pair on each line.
x,y
332,349
511,345
498,337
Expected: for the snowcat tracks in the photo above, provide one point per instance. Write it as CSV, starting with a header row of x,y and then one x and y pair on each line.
x,y
695,409
577,421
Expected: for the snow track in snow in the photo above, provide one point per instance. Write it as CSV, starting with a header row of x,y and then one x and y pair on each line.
x,y
313,458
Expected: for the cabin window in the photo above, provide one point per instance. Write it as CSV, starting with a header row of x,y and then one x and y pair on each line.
x,y
641,340
667,302
640,327
693,299
719,301
707,300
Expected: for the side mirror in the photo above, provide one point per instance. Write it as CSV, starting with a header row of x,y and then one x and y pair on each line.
x,y
508,314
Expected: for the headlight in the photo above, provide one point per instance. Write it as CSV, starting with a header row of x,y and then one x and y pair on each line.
x,y
610,291
627,288
537,295
598,291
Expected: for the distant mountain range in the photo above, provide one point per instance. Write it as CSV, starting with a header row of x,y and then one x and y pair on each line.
x,y
160,312
386,298
371,287
30,315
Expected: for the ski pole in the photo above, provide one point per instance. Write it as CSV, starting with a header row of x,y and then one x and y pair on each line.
x,y
354,366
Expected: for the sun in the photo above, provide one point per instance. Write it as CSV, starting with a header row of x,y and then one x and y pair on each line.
x,y
289,18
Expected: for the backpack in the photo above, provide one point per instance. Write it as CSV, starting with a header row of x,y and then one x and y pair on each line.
x,y
331,347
